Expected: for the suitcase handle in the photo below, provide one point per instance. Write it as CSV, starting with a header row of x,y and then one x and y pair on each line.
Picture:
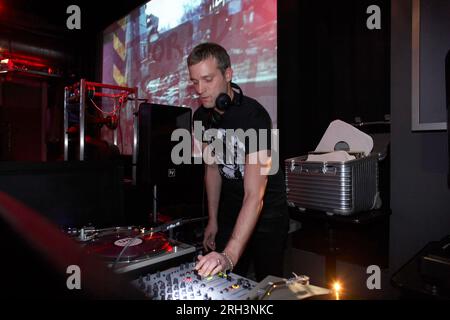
x,y
331,169
325,168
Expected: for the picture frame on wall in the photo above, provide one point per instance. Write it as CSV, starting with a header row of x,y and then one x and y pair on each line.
x,y
430,44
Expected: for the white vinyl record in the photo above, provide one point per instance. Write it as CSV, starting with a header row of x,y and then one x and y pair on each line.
x,y
339,132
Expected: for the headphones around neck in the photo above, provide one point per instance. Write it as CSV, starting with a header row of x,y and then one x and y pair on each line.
x,y
223,103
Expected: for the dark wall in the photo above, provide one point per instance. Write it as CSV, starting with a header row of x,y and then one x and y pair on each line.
x,y
330,66
420,199
70,194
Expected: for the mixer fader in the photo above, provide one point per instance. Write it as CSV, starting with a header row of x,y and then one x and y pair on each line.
x,y
183,283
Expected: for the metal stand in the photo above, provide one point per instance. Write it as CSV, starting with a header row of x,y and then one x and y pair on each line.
x,y
155,205
155,210
77,93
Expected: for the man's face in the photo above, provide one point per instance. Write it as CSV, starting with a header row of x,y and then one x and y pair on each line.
x,y
209,81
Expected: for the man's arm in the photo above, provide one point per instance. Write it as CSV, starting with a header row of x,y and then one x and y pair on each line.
x,y
255,181
213,184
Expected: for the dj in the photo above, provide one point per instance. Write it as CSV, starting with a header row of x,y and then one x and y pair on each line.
x,y
248,218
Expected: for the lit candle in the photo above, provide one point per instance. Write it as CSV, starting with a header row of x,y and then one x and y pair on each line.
x,y
337,289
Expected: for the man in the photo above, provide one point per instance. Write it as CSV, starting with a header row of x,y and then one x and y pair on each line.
x,y
248,218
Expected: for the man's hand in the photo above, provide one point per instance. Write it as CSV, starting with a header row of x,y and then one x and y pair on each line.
x,y
209,237
211,264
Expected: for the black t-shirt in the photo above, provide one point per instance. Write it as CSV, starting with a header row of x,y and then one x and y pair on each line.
x,y
247,115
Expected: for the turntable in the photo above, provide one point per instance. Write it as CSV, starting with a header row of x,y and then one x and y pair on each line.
x,y
130,248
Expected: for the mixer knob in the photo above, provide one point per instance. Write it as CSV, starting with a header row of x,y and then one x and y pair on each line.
x,y
195,281
169,290
182,285
175,287
148,277
175,281
211,289
169,297
190,289
203,285
198,293
191,296
158,274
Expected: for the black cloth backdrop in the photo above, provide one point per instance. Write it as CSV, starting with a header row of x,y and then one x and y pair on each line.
x,y
330,66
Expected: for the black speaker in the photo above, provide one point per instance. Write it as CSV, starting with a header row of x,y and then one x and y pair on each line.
x,y
179,186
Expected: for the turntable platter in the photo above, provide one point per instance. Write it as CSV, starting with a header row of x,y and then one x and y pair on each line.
x,y
110,245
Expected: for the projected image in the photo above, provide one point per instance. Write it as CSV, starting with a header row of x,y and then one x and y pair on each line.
x,y
148,49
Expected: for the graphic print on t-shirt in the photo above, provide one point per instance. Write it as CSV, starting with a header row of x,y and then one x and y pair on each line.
x,y
231,161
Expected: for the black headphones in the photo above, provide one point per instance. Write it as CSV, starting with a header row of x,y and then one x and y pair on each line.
x,y
223,103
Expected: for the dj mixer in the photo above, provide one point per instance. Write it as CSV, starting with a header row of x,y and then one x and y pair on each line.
x,y
183,283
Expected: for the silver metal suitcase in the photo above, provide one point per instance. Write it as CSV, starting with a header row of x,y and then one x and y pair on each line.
x,y
342,188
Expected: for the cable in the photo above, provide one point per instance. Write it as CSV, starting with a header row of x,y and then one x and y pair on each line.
x,y
118,106
102,111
